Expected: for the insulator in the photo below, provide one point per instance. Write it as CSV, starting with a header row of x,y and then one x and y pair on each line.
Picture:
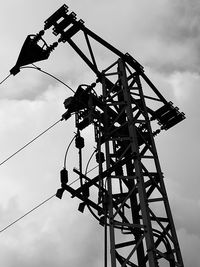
x,y
52,47
79,141
93,85
156,132
68,102
38,36
100,157
60,192
66,116
81,207
86,192
83,124
102,220
64,176
90,87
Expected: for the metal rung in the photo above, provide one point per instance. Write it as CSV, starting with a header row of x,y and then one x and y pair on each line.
x,y
155,199
125,244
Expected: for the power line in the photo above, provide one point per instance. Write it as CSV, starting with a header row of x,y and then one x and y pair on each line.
x,y
5,78
27,144
92,169
39,205
33,209
31,141
56,79
43,71
27,213
65,158
49,74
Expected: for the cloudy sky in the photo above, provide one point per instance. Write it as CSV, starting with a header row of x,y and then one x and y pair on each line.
x,y
164,36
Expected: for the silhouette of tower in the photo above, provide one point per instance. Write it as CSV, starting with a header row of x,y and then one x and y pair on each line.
x,y
128,195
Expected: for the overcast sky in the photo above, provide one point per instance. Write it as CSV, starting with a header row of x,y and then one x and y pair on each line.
x,y
164,36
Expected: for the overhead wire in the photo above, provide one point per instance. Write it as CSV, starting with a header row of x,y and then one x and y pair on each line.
x,y
95,167
65,158
37,206
47,73
27,144
43,71
89,161
5,78
49,198
31,141
34,139
27,213
30,211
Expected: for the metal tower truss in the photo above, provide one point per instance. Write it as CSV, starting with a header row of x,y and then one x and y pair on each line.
x,y
131,198
127,196
137,209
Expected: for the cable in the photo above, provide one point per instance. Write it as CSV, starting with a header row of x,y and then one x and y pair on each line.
x,y
45,72
65,158
92,169
49,74
19,150
36,207
36,68
5,79
27,144
89,162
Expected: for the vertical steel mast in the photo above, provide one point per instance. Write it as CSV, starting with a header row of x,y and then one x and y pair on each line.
x,y
138,215
132,201
128,195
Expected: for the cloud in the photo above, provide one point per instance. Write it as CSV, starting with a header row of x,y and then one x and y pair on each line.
x,y
164,37
190,245
176,43
186,90
34,167
184,208
49,237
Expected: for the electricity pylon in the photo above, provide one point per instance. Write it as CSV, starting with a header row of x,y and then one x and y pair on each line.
x,y
128,195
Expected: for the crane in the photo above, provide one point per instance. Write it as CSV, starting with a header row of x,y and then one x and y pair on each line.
x,y
127,196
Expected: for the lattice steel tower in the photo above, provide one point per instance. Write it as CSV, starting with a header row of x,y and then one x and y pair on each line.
x,y
127,195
